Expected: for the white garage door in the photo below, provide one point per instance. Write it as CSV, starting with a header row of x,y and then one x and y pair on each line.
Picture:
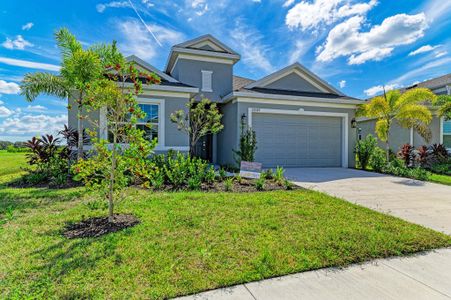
x,y
298,141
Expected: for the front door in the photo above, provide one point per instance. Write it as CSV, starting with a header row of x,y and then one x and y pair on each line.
x,y
204,148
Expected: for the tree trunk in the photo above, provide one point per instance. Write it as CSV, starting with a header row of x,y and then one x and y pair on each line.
x,y
80,128
387,143
111,188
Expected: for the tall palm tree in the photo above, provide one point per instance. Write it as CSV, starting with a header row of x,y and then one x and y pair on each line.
x,y
443,103
408,110
79,68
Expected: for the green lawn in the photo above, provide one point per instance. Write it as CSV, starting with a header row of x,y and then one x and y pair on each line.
x,y
187,242
438,178
11,163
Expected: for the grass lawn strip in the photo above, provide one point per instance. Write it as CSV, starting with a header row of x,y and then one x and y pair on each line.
x,y
188,242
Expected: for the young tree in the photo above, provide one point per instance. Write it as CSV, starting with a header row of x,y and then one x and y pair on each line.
x,y
248,145
408,110
203,118
79,69
106,169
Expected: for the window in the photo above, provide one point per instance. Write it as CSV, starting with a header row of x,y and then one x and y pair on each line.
x,y
206,81
150,123
447,134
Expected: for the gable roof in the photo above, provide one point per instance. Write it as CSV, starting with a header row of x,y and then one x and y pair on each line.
x,y
203,47
150,68
299,70
213,44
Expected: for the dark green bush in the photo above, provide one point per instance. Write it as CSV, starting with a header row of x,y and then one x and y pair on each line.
x,y
378,160
364,150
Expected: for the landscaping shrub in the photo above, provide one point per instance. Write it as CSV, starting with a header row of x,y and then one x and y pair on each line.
x,y
278,175
260,183
406,153
228,183
364,150
378,160
443,168
422,156
248,146
177,170
49,161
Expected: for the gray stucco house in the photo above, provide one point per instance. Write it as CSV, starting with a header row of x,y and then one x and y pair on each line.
x,y
300,120
441,129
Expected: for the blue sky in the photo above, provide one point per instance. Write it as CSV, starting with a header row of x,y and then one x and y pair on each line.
x,y
356,45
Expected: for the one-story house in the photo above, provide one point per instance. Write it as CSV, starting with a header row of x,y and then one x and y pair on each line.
x,y
440,128
299,119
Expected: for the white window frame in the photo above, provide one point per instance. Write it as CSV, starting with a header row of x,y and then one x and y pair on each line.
x,y
152,123
161,113
207,77
302,112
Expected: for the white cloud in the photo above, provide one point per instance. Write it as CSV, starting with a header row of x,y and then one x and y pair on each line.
x,y
423,49
200,6
28,64
347,39
32,124
288,3
376,54
379,89
36,108
19,43
252,50
147,3
436,9
5,112
342,83
113,4
440,54
310,16
27,26
139,41
9,87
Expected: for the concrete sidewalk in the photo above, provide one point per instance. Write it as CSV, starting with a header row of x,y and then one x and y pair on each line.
x,y
424,276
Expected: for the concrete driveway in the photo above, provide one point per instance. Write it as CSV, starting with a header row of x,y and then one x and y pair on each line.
x,y
424,203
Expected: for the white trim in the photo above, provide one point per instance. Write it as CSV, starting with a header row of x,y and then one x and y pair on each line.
x,y
411,136
206,38
170,88
201,58
199,55
278,97
207,81
166,94
303,101
302,112
161,119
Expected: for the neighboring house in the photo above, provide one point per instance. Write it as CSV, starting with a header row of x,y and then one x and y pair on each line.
x,y
300,120
441,129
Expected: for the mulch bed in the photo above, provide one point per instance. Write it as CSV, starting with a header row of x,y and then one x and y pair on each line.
x,y
95,227
243,186
23,184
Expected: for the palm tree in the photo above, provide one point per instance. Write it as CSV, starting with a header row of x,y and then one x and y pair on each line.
x,y
443,102
408,110
79,68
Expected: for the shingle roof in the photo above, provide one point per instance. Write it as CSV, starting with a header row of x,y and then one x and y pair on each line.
x,y
435,82
295,93
239,82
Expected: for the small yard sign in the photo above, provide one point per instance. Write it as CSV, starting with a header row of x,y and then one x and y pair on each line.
x,y
250,169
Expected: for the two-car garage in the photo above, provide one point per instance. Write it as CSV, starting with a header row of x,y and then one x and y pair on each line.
x,y
299,139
